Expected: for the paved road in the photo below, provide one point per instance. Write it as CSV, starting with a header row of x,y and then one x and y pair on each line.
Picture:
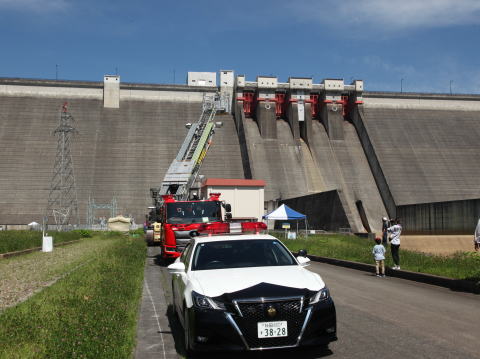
x,y
156,324
377,318
396,318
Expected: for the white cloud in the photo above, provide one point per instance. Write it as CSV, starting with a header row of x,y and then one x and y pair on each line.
x,y
390,15
34,5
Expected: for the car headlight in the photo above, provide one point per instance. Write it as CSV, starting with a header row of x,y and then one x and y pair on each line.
x,y
321,295
204,302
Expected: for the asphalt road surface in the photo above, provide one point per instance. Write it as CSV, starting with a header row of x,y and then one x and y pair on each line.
x,y
376,318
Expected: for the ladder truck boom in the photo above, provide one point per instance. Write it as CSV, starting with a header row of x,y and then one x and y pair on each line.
x,y
184,169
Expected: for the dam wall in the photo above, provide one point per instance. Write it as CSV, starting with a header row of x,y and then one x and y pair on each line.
x,y
455,217
427,155
423,149
118,152
278,161
376,154
299,151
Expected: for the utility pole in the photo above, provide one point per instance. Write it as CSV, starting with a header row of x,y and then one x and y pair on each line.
x,y
62,199
401,85
451,86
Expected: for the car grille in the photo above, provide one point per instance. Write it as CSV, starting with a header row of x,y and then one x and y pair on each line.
x,y
291,311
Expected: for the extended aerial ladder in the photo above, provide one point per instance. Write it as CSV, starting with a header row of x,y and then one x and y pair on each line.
x,y
184,169
175,218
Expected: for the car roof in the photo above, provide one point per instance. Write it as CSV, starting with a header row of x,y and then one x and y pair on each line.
x,y
230,237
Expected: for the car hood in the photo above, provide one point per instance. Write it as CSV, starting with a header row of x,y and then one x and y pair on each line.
x,y
256,281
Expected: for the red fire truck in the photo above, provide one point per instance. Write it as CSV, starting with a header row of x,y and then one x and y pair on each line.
x,y
179,221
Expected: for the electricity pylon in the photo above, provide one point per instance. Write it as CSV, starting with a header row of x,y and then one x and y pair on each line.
x,y
62,199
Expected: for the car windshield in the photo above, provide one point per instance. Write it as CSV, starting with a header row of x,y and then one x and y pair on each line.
x,y
241,253
194,212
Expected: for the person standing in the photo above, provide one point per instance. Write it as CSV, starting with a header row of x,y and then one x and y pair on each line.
x,y
395,232
476,237
378,252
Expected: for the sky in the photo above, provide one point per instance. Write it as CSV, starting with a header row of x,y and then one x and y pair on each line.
x,y
408,45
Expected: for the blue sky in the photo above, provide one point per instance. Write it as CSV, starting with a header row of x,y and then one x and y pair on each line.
x,y
431,44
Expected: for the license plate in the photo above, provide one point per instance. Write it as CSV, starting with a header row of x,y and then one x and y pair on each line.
x,y
272,329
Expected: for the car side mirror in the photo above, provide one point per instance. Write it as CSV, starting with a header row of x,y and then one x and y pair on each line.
x,y
176,268
228,207
303,261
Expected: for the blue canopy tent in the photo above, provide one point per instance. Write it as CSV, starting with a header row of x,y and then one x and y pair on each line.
x,y
287,214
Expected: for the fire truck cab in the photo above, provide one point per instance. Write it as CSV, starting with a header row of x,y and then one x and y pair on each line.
x,y
177,222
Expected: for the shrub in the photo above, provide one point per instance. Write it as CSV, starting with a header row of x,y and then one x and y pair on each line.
x,y
11,241
84,233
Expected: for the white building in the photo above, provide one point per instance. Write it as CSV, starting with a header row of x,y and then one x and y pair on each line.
x,y
208,79
246,196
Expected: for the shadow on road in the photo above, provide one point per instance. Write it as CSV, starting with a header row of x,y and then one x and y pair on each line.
x,y
177,331
159,261
304,353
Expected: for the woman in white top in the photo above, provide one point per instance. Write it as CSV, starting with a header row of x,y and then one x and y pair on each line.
x,y
395,231
476,237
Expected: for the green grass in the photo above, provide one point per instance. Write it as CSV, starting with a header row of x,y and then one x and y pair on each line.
x,y
90,313
11,241
458,266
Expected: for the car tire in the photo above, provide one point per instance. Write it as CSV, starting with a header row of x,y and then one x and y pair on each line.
x,y
186,330
323,349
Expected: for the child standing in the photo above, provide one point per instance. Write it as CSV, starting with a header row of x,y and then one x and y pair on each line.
x,y
378,252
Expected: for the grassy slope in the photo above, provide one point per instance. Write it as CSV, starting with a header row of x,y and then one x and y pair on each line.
x,y
11,241
459,266
21,276
90,313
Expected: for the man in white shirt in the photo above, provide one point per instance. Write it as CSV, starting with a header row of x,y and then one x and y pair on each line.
x,y
395,231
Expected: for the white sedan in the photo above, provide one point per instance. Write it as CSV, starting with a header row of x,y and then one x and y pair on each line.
x,y
248,292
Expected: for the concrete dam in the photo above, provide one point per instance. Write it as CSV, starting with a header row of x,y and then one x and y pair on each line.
x,y
344,156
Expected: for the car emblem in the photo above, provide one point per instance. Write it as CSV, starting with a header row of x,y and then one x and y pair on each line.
x,y
271,311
